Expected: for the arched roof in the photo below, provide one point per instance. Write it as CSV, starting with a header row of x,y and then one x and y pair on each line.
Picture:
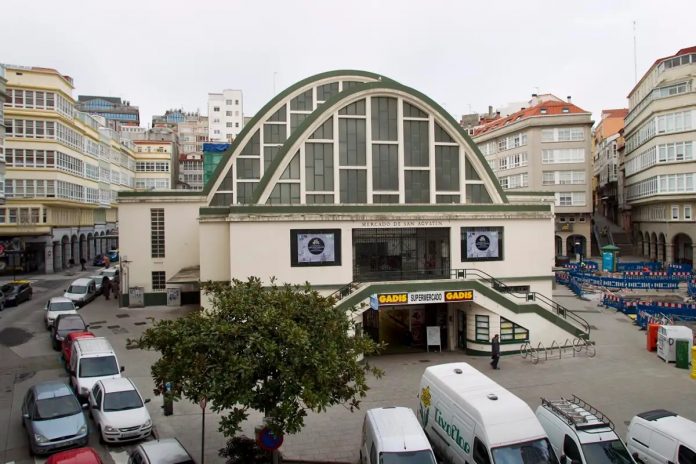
x,y
270,108
254,162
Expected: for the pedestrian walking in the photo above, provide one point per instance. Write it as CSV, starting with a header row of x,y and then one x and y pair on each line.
x,y
106,287
82,263
495,352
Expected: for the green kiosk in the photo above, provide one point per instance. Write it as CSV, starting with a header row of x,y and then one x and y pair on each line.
x,y
610,258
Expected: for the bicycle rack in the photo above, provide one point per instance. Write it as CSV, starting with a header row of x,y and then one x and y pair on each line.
x,y
575,346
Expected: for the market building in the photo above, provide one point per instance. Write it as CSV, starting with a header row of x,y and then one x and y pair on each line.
x,y
368,190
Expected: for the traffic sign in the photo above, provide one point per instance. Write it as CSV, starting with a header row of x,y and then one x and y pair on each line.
x,y
269,440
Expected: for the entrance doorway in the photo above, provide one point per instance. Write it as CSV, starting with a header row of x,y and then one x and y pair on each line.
x,y
404,328
401,254
461,330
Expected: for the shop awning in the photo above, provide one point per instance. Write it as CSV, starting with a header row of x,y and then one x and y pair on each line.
x,y
186,275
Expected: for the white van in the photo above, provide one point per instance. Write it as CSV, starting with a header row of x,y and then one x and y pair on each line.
x,y
81,291
92,359
662,437
393,435
471,419
581,434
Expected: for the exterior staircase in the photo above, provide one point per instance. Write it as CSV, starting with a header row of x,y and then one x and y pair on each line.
x,y
615,236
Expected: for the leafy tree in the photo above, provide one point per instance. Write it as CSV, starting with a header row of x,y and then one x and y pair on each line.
x,y
243,450
281,349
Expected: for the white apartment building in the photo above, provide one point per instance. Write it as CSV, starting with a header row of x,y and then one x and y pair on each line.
x,y
3,97
546,146
64,171
225,115
659,158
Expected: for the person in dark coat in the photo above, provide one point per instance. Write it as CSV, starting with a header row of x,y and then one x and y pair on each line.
x,y
495,352
82,263
106,287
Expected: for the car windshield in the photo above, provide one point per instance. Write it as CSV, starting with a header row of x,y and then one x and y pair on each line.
x,y
71,324
532,452
9,288
407,457
79,289
54,408
98,367
120,401
606,452
61,306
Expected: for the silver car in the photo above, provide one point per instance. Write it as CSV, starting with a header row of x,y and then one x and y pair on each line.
x,y
164,451
53,418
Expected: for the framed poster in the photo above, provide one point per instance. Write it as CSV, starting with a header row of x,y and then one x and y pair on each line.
x,y
315,247
482,243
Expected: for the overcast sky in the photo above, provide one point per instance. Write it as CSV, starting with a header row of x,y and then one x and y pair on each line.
x,y
466,55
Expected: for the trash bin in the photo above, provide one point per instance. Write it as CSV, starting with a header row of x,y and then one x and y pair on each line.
x,y
682,353
651,337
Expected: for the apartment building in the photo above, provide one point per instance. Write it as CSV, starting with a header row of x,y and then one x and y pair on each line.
x,y
64,171
3,97
193,133
605,162
154,164
225,115
659,163
110,108
546,146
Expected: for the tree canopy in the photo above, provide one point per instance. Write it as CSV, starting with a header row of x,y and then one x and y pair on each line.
x,y
279,349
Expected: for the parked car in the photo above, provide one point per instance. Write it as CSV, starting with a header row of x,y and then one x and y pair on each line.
x,y
2,300
81,291
53,418
63,325
111,272
661,437
92,360
119,411
75,456
393,434
113,256
16,292
68,343
98,279
164,451
56,306
98,260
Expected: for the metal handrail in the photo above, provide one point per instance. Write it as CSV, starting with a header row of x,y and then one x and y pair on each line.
x,y
527,296
497,285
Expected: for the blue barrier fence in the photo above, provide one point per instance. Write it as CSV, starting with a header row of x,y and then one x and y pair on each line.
x,y
691,288
647,310
587,265
639,266
633,282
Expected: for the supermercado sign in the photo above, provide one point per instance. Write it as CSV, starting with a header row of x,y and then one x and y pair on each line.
x,y
406,298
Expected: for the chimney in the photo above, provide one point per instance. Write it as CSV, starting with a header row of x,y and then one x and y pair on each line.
x,y
490,110
568,97
497,114
534,95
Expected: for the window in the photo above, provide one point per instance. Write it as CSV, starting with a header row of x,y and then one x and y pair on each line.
x,y
563,155
570,198
228,102
482,328
159,281
686,455
480,453
563,134
157,232
675,213
687,213
216,108
509,331
570,449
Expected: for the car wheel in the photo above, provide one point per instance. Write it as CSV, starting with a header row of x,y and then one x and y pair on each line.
x,y
56,346
101,437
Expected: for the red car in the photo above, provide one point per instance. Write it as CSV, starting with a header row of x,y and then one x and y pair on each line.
x,y
68,343
75,456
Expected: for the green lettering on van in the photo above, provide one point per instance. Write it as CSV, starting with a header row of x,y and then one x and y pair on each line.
x,y
452,431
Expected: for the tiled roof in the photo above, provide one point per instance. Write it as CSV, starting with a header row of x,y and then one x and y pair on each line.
x,y
547,108
615,113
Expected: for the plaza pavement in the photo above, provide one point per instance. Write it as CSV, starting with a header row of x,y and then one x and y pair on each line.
x,y
621,380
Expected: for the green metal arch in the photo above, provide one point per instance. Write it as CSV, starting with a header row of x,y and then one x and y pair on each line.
x,y
253,123
302,129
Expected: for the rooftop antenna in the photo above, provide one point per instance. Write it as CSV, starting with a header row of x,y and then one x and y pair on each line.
x,y
635,54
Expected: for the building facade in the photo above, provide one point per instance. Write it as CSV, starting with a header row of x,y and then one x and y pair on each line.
x,y
156,164
110,108
3,97
605,162
364,187
193,133
225,115
64,171
660,164
547,146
